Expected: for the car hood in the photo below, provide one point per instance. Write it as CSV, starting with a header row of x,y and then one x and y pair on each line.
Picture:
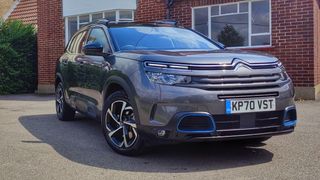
x,y
199,57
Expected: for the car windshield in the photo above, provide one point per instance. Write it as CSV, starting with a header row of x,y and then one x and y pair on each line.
x,y
158,38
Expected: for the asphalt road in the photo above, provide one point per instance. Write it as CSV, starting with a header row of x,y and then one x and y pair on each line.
x,y
35,145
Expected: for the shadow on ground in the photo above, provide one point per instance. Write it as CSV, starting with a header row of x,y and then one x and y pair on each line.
x,y
82,142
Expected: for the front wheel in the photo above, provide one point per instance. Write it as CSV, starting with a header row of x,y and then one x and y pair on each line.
x,y
120,126
64,111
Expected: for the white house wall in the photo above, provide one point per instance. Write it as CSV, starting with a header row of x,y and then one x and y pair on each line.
x,y
77,7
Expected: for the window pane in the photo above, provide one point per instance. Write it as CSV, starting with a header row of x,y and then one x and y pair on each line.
x,y
167,38
111,15
72,26
232,8
231,30
98,35
244,7
260,40
125,14
77,43
214,10
260,17
96,16
201,20
81,41
84,19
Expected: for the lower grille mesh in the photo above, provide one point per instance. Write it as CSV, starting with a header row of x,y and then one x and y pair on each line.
x,y
195,123
262,119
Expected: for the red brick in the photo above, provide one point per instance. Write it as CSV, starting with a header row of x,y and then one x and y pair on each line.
x,y
50,39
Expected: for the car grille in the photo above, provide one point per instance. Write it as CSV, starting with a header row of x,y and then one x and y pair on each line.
x,y
237,82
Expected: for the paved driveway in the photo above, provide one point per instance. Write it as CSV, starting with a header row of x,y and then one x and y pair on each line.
x,y
35,145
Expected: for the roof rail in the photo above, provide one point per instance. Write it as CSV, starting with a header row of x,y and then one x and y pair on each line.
x,y
167,22
99,21
103,22
107,22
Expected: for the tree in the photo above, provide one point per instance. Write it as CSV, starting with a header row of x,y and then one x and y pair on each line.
x,y
18,57
229,36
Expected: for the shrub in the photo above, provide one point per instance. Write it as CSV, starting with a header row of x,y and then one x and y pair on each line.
x,y
18,58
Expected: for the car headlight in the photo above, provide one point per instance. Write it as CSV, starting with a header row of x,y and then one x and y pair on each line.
x,y
284,75
167,79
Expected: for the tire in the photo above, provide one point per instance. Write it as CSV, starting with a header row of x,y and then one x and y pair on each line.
x,y
119,125
64,111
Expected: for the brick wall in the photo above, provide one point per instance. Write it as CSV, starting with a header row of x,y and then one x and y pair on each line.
x,y
50,42
292,31
293,40
150,10
317,40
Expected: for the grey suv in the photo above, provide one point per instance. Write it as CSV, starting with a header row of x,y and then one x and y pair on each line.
x,y
157,82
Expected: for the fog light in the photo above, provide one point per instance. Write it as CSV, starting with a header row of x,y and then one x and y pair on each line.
x,y
161,133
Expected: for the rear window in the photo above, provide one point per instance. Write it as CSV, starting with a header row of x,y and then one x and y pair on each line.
x,y
158,38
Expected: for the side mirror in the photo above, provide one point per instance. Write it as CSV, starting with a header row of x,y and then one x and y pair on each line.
x,y
94,49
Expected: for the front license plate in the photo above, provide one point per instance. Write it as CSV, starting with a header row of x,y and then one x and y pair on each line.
x,y
234,106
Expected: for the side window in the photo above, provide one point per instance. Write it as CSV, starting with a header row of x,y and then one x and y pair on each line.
x,y
77,42
81,41
98,35
71,44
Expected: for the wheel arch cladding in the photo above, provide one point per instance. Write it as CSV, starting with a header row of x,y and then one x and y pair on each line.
x,y
115,83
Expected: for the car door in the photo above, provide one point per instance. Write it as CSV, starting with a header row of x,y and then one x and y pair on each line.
x,y
96,66
71,67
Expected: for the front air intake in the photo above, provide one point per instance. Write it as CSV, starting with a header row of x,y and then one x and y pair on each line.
x,y
196,123
290,117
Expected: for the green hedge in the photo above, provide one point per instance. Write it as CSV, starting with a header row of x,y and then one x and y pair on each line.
x,y
18,58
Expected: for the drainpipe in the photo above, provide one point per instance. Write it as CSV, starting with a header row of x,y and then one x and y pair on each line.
x,y
169,4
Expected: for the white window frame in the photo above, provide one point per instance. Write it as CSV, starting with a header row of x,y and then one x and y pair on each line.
x,y
125,19
238,12
117,11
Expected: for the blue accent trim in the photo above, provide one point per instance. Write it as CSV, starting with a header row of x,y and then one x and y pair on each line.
x,y
228,106
212,129
289,123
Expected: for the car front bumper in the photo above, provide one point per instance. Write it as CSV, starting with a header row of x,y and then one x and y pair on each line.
x,y
224,129
165,118
161,108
